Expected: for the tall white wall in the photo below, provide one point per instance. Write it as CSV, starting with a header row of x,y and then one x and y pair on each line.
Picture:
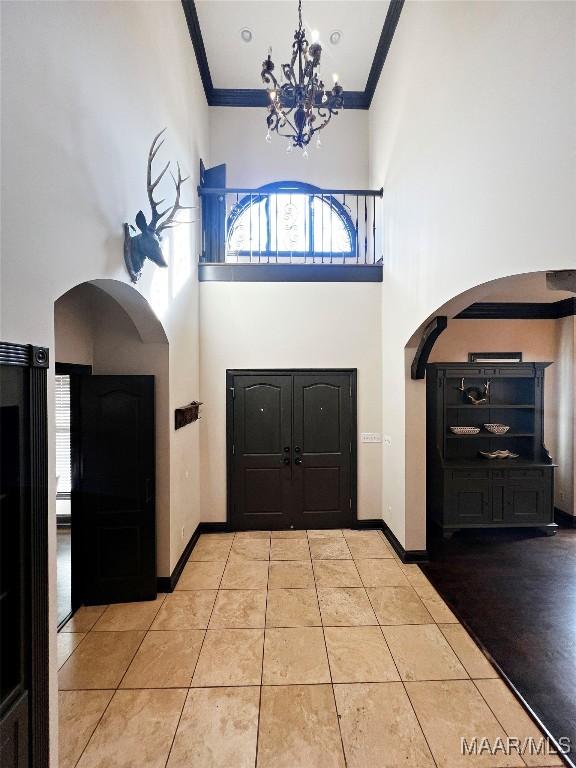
x,y
471,135
237,138
288,325
85,86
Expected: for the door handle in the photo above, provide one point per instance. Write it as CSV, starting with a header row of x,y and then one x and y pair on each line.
x,y
286,460
298,460
297,449
287,449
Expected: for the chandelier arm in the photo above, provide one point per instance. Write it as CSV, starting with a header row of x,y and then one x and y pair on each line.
x,y
302,99
290,123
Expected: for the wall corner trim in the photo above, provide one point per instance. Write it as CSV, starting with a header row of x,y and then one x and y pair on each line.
x,y
429,336
406,555
168,583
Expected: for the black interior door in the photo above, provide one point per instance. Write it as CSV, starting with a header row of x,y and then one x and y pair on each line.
x,y
117,489
291,449
322,417
262,426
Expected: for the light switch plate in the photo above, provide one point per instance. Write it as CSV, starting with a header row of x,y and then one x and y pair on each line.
x,y
387,441
370,437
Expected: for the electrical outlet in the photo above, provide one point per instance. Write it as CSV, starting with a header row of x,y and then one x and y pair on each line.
x,y
387,441
370,437
562,495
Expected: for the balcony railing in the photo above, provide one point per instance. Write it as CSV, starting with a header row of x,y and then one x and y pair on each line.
x,y
290,224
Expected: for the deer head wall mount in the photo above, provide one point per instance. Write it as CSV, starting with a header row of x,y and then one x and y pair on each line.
x,y
147,244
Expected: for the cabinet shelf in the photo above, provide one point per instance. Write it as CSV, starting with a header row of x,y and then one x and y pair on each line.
x,y
489,435
490,406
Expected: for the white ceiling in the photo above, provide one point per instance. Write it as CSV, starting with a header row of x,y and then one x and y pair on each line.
x,y
236,64
530,287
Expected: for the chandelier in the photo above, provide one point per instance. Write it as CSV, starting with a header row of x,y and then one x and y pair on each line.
x,y
300,106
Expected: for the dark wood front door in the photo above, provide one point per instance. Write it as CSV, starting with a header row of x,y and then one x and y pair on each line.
x,y
117,489
291,439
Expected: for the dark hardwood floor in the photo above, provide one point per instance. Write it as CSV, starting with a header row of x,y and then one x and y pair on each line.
x,y
516,593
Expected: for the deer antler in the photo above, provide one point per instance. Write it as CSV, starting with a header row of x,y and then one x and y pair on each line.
x,y
169,221
156,216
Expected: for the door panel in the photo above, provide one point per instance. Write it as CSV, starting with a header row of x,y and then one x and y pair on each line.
x,y
261,467
526,503
117,519
468,501
322,450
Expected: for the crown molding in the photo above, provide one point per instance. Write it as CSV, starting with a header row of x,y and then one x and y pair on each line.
x,y
256,97
519,310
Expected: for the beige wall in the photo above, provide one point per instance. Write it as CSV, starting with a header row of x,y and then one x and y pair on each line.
x,y
85,86
460,107
565,399
288,325
74,327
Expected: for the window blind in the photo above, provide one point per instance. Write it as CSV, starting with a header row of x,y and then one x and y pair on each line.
x,y
63,458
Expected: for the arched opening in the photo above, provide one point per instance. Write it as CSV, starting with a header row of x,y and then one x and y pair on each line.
x,y
279,222
112,444
516,314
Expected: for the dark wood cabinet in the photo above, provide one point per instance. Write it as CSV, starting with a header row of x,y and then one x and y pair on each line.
x,y
467,490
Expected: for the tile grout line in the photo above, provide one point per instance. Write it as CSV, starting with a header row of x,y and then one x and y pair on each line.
x,y
263,650
198,657
328,660
405,690
114,690
500,723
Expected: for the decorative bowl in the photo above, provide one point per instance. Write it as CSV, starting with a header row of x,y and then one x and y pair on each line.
x,y
499,454
465,430
497,429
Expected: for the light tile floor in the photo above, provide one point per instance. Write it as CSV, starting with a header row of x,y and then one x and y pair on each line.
x,y
288,649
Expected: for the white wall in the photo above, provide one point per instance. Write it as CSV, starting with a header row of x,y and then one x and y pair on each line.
x,y
288,325
85,86
237,138
471,135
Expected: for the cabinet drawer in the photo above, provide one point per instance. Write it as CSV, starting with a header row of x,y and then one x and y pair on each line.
x,y
526,474
470,474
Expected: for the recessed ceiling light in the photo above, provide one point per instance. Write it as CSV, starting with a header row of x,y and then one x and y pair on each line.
x,y
246,35
335,37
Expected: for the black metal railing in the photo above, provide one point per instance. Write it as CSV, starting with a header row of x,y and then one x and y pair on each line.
x,y
290,224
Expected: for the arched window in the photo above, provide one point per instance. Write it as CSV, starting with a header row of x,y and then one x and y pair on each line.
x,y
284,220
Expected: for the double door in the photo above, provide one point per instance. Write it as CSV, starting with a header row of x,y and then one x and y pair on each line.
x,y
291,440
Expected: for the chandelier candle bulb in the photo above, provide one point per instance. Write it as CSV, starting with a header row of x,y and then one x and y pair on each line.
x,y
299,104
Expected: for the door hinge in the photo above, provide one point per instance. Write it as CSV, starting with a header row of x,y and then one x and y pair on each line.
x,y
350,447
350,503
233,449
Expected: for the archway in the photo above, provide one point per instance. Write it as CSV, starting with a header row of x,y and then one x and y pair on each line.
x,y
519,313
106,328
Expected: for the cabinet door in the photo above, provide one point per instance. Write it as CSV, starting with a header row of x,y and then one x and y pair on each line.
x,y
467,502
527,502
